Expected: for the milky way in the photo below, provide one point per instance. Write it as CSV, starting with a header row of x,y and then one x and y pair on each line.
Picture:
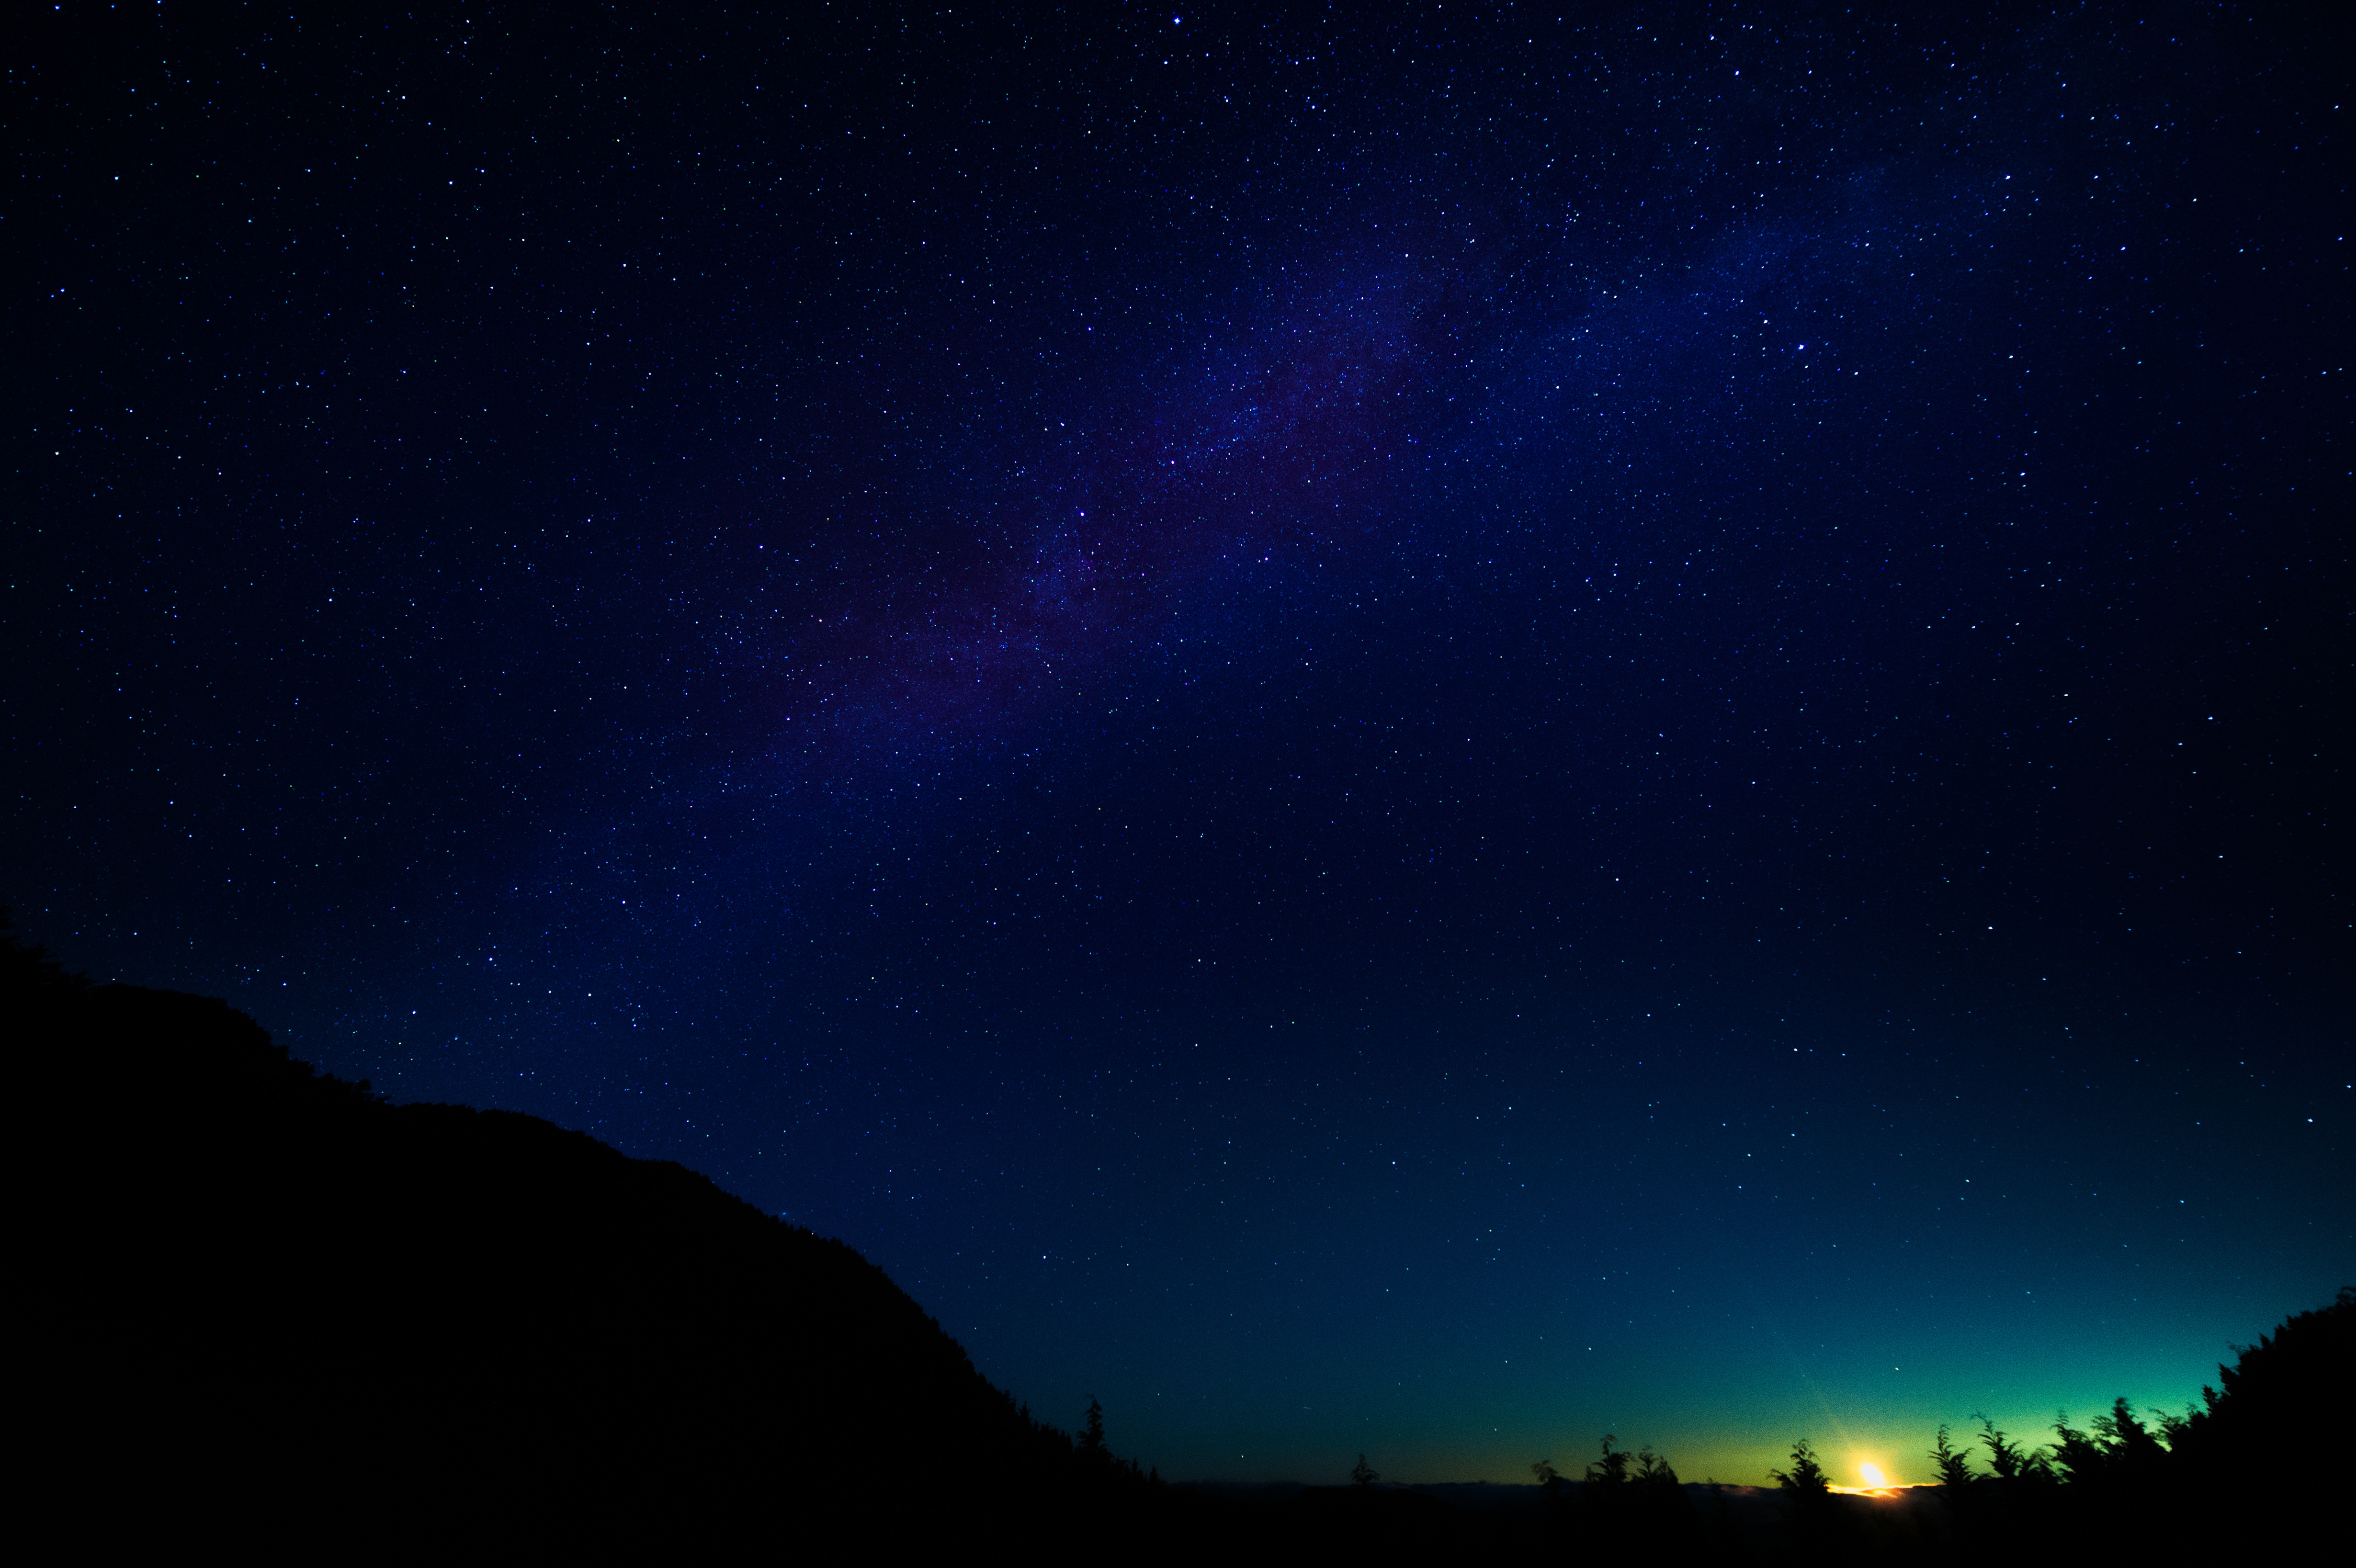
x,y
1414,733
1275,439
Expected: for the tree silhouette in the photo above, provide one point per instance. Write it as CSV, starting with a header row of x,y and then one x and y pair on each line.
x,y
1805,1478
1363,1475
2284,1397
2014,1466
1092,1440
2135,1450
1954,1470
2286,1393
1612,1470
29,970
1818,1529
2082,1459
1664,1511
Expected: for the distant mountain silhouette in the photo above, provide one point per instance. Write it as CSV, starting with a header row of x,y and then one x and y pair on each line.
x,y
291,1312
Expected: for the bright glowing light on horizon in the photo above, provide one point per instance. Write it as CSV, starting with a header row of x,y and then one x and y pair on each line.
x,y
1872,1473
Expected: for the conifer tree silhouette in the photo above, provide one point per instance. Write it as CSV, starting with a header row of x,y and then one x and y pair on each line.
x,y
1810,1511
1954,1469
2136,1453
2288,1392
2077,1456
31,968
1612,1470
2286,1397
1806,1477
2013,1465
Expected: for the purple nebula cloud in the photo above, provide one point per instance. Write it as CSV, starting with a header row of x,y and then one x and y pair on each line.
x,y
1260,439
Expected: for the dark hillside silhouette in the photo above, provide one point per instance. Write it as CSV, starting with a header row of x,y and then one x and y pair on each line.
x,y
289,1309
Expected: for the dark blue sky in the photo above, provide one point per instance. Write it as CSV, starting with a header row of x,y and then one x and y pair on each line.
x,y
1422,734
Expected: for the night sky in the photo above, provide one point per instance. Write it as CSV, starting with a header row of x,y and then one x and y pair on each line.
x,y
1423,734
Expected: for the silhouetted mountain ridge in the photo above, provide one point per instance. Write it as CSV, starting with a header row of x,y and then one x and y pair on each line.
x,y
480,1319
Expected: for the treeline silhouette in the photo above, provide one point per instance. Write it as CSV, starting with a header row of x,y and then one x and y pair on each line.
x,y
279,1312
2258,1471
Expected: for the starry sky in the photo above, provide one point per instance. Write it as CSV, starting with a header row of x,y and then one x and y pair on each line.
x,y
1419,731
